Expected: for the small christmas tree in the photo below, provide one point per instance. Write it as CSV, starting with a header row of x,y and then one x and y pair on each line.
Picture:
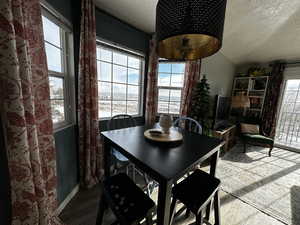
x,y
200,109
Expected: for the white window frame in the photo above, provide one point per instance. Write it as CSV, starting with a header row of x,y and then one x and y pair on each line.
x,y
67,65
123,50
169,87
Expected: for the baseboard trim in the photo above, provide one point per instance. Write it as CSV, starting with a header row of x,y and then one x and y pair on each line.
x,y
67,200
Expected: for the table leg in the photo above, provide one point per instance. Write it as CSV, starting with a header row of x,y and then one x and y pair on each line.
x,y
164,203
213,167
213,163
107,158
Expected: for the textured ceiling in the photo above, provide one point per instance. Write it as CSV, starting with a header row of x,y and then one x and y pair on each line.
x,y
255,30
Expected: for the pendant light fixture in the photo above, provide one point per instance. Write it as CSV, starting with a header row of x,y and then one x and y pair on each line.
x,y
189,29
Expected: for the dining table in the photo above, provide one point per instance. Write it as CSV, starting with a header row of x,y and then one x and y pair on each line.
x,y
163,162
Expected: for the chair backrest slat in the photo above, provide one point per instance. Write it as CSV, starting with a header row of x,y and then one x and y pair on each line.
x,y
121,121
187,123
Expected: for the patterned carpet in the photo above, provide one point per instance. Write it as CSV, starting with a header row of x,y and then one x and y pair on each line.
x,y
270,184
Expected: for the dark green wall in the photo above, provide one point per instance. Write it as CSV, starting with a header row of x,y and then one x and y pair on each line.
x,y
67,158
113,29
64,7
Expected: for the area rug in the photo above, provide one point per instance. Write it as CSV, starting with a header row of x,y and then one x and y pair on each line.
x,y
270,184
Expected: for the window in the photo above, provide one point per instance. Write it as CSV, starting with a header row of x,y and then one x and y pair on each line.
x,y
170,84
56,41
120,82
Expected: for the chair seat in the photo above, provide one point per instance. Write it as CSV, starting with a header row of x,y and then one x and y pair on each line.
x,y
258,138
196,190
127,201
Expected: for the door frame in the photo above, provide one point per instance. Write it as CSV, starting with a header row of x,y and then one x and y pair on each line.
x,y
290,73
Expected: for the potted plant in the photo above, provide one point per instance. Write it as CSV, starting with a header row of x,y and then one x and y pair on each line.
x,y
200,109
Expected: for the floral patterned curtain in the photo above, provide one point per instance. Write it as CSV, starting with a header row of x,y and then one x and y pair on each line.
x,y
151,98
26,113
191,77
269,115
90,148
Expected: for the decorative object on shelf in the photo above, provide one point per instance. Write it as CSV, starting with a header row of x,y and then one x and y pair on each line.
x,y
241,74
165,122
257,71
189,29
172,136
201,109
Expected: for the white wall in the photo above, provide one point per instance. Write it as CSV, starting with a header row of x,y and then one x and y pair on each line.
x,y
219,72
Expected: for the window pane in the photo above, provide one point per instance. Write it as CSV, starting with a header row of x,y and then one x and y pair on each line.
x,y
119,74
104,91
290,96
133,76
105,71
51,32
288,107
162,107
56,87
58,111
292,84
174,107
105,55
177,80
164,68
178,68
133,92
164,79
163,95
175,95
104,109
53,58
120,59
119,107
133,62
119,91
98,53
132,107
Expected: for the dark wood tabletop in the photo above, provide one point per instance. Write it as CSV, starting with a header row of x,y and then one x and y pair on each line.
x,y
163,161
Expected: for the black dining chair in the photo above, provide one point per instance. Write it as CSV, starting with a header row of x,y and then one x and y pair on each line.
x,y
196,193
128,202
124,121
118,122
189,124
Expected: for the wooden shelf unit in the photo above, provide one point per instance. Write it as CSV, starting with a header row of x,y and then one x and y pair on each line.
x,y
255,88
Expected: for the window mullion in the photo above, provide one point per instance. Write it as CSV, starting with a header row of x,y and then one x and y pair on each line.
x,y
120,85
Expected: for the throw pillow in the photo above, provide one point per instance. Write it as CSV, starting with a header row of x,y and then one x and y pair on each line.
x,y
249,128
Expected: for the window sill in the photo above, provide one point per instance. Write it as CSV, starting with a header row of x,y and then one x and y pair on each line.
x,y
62,126
108,118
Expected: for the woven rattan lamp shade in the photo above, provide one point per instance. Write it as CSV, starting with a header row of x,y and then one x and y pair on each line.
x,y
189,29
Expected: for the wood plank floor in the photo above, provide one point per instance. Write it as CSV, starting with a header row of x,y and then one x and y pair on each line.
x,y
82,210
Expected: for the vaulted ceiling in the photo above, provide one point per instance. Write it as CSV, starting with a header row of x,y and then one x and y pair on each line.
x,y
255,30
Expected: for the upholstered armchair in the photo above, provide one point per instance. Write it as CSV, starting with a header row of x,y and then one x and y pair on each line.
x,y
251,133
